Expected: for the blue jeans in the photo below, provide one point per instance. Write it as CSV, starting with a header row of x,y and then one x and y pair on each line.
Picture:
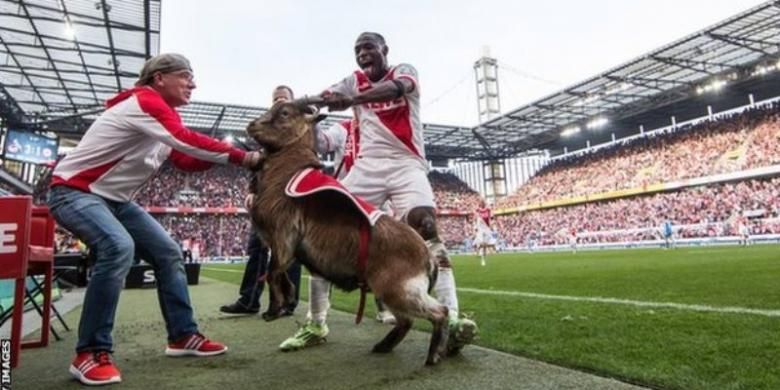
x,y
115,231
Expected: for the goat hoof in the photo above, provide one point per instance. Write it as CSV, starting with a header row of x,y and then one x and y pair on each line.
x,y
432,360
381,348
270,315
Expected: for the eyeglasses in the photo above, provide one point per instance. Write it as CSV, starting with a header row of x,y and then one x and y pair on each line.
x,y
184,75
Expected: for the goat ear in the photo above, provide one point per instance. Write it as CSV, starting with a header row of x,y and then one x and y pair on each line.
x,y
315,118
312,114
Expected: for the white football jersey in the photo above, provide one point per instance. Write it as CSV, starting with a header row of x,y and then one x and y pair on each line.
x,y
389,129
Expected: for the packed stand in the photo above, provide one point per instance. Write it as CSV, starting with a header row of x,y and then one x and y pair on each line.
x,y
220,186
765,148
225,186
451,193
740,141
714,207
455,229
216,234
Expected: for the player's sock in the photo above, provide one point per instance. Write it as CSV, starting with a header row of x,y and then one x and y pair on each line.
x,y
319,302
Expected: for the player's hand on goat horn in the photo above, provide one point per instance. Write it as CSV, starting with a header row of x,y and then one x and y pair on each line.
x,y
305,101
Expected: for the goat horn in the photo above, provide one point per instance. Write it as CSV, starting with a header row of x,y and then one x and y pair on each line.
x,y
309,101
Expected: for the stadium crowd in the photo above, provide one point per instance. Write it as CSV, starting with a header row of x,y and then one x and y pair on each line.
x,y
736,142
451,193
741,141
715,208
214,234
225,186
220,186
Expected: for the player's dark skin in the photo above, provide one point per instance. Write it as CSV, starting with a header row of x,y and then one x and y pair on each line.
x,y
371,57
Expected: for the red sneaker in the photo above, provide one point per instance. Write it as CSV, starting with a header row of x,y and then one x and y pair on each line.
x,y
95,368
195,345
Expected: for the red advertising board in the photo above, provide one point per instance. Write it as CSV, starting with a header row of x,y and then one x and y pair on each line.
x,y
14,235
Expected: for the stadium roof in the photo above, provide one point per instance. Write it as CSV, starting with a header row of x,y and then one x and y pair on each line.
x,y
737,49
63,58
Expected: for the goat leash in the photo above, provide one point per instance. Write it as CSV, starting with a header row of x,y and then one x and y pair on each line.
x,y
362,263
338,170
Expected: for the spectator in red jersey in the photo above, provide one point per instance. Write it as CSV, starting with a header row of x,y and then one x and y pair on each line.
x,y
91,196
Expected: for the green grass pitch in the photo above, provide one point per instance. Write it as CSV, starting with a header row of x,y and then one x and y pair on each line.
x,y
689,318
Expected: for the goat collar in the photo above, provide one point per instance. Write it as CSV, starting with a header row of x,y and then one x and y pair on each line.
x,y
294,139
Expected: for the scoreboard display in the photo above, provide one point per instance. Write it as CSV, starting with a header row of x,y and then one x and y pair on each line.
x,y
28,147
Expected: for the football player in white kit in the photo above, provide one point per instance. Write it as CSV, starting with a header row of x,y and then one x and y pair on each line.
x,y
343,140
743,230
390,165
484,234
573,239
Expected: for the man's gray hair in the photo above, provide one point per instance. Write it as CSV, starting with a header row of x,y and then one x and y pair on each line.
x,y
163,63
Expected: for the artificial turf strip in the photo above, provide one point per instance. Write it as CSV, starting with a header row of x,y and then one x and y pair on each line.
x,y
254,362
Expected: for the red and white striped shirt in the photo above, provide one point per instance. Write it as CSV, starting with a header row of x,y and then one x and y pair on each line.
x,y
126,145
388,129
485,214
343,139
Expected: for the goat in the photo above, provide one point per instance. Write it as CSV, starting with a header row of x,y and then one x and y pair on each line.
x,y
323,231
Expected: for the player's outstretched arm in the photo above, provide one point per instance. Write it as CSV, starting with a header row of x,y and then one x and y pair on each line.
x,y
382,92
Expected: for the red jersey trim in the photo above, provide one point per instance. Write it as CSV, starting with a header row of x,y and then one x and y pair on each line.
x,y
82,180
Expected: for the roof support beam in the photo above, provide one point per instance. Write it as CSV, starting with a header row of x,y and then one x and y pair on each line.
x,y
67,49
105,8
536,120
485,144
126,53
25,55
742,42
215,126
147,29
48,56
58,90
649,82
578,112
685,64
761,42
124,26
21,69
54,78
81,55
33,69
97,23
79,115
9,108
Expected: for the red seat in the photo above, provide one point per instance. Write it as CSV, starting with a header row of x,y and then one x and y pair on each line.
x,y
26,248
40,261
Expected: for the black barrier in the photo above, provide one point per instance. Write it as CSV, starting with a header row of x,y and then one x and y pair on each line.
x,y
193,273
71,269
142,275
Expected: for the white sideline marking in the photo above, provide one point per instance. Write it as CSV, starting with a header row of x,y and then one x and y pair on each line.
x,y
618,301
614,301
223,270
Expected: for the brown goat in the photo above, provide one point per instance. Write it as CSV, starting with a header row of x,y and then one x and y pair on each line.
x,y
322,231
